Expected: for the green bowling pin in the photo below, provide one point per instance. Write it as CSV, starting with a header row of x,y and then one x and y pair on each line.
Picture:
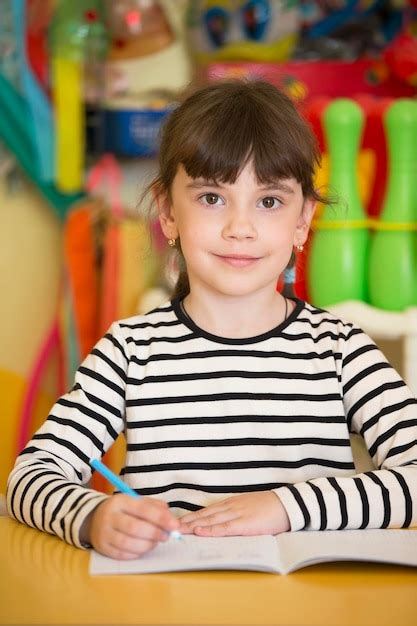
x,y
393,254
339,253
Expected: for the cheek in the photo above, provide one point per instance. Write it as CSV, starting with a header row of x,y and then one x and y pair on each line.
x,y
280,231
192,237
197,230
190,231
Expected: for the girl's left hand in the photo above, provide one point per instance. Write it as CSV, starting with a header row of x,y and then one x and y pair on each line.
x,y
257,513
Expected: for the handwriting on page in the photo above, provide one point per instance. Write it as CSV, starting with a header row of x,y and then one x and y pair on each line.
x,y
210,549
195,553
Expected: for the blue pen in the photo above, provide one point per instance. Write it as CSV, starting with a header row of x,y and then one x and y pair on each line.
x,y
117,482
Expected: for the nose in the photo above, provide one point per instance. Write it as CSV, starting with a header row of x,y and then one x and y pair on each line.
x,y
239,225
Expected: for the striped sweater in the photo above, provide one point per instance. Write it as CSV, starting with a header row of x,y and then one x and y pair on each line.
x,y
207,417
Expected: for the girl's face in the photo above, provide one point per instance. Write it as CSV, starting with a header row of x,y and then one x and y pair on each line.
x,y
236,238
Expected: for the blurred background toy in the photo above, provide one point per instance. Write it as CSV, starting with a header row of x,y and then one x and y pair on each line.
x,y
401,53
393,257
77,38
26,112
146,66
339,249
347,29
253,30
38,105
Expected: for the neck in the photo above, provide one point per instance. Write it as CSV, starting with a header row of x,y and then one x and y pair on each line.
x,y
237,317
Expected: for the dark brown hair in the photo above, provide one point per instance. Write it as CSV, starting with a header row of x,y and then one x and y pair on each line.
x,y
221,126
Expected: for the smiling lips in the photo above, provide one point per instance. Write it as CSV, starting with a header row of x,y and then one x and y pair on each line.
x,y
238,260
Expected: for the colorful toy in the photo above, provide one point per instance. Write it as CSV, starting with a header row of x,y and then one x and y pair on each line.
x,y
73,25
253,30
16,133
25,114
147,65
304,80
374,143
320,18
339,250
39,109
9,60
132,127
38,18
82,271
401,57
69,123
138,28
393,257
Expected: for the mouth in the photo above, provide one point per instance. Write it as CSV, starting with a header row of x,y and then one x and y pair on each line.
x,y
238,260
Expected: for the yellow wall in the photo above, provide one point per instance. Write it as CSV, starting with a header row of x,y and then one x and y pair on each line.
x,y
30,271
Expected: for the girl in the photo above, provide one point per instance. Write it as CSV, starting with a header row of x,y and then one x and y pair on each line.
x,y
236,402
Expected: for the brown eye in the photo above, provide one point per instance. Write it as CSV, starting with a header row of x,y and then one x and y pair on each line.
x,y
211,198
269,202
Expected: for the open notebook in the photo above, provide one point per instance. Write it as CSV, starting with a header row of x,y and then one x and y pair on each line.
x,y
281,554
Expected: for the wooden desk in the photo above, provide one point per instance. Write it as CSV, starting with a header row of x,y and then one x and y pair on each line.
x,y
44,581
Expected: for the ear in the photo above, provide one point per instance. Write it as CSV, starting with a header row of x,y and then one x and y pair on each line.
x,y
166,215
304,221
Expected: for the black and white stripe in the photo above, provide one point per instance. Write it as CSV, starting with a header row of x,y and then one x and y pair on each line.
x,y
207,417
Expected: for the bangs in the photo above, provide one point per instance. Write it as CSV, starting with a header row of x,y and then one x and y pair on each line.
x,y
219,154
246,124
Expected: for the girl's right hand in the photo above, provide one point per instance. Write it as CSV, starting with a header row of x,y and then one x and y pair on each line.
x,y
123,527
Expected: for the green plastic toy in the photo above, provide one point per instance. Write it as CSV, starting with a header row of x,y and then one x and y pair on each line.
x,y
393,255
338,259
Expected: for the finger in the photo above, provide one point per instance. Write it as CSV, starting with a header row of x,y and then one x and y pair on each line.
x,y
121,555
154,511
138,528
209,520
124,548
219,507
224,529
131,544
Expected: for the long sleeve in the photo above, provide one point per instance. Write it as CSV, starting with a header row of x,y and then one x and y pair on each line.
x,y
380,407
47,486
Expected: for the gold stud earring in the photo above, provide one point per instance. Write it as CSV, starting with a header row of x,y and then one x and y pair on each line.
x,y
300,247
171,242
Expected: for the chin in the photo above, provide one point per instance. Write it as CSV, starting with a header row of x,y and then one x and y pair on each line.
x,y
239,288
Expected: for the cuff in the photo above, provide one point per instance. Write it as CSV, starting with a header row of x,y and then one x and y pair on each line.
x,y
81,514
292,507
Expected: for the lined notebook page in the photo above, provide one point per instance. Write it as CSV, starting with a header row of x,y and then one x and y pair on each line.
x,y
196,553
384,546
285,553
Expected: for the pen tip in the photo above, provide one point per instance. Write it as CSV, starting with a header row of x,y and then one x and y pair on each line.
x,y
175,534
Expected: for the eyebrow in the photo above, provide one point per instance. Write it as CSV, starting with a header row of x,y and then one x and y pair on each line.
x,y
278,186
198,184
